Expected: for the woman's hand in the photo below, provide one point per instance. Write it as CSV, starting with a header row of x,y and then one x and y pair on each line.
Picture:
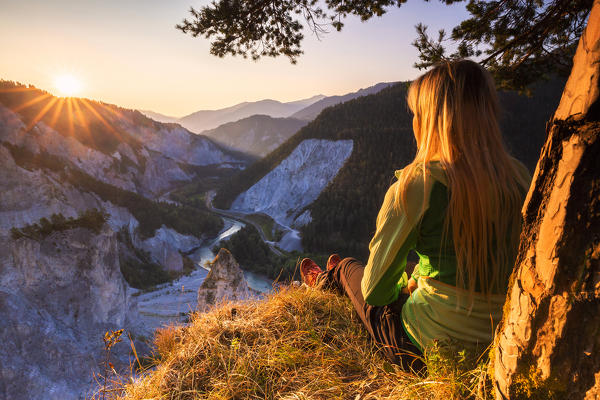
x,y
412,285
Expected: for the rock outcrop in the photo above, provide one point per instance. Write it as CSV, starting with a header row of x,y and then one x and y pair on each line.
x,y
166,247
28,196
58,296
225,281
296,182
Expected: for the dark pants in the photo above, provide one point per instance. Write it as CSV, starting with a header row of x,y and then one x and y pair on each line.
x,y
382,322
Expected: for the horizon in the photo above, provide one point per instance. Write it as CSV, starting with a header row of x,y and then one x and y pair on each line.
x,y
114,53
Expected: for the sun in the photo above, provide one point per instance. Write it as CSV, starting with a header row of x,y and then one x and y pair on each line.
x,y
67,85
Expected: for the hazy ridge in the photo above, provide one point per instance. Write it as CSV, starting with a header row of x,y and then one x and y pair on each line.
x,y
260,127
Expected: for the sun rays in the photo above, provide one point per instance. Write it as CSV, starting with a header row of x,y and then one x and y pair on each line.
x,y
57,110
31,102
90,122
41,113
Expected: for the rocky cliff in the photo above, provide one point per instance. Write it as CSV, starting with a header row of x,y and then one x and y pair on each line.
x,y
114,145
58,296
65,156
60,291
225,281
296,182
149,168
30,195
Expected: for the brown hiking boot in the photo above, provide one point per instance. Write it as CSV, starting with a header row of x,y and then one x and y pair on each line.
x,y
309,271
333,261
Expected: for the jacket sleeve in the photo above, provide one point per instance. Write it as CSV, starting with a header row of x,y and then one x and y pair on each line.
x,y
395,235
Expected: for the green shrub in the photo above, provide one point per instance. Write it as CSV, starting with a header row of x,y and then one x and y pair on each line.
x,y
143,274
92,219
188,265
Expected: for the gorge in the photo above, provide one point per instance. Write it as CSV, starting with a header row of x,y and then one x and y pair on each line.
x,y
61,289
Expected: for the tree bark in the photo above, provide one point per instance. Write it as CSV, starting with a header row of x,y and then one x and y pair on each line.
x,y
548,343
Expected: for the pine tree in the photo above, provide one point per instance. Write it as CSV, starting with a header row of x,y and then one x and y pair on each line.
x,y
519,41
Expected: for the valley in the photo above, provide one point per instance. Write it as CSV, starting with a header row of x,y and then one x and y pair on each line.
x,y
368,200
172,302
109,219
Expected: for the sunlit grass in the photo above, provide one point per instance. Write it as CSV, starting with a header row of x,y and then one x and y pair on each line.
x,y
300,343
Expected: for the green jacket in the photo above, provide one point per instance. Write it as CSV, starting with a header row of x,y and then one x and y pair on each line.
x,y
437,309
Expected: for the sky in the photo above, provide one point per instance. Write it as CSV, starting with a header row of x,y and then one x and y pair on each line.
x,y
128,52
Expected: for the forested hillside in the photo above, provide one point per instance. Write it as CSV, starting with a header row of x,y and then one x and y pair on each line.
x,y
256,135
343,217
150,214
312,111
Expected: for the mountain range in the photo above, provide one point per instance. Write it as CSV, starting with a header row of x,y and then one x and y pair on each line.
x,y
257,135
202,120
259,127
311,111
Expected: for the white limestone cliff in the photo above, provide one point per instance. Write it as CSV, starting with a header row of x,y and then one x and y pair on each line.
x,y
58,296
166,247
225,281
296,182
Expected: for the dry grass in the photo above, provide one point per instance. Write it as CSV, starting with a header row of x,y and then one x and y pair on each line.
x,y
299,343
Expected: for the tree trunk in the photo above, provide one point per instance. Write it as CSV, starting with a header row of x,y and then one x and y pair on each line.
x,y
548,343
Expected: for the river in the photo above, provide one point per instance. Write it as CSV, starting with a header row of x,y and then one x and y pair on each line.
x,y
171,302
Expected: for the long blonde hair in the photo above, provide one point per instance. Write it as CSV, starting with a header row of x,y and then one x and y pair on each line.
x,y
456,109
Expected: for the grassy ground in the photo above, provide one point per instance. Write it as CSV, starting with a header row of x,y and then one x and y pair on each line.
x,y
299,343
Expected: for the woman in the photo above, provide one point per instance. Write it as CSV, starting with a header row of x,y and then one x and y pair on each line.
x,y
457,205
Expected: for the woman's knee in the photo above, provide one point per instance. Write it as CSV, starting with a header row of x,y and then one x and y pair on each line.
x,y
350,272
350,262
350,266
